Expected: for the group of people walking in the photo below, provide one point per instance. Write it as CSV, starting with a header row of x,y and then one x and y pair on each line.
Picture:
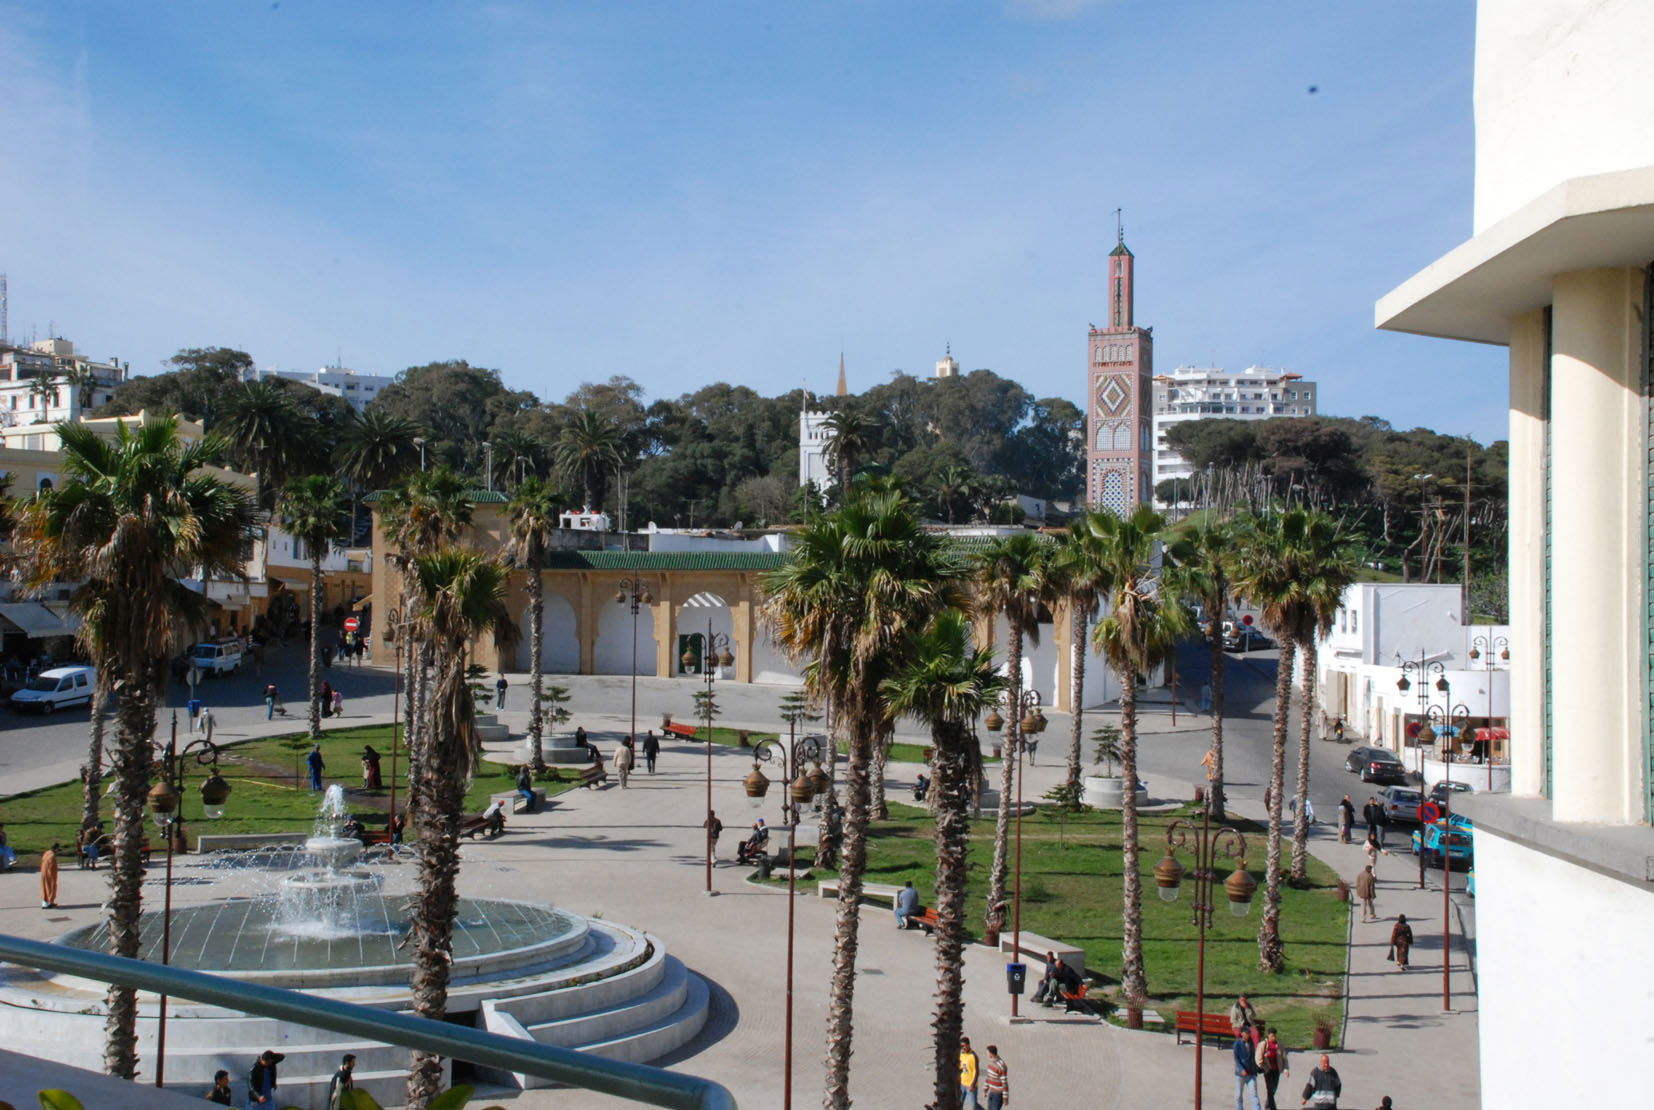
x,y
992,1074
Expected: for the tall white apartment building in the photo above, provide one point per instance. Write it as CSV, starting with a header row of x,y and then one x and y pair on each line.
x,y
336,381
48,383
1205,393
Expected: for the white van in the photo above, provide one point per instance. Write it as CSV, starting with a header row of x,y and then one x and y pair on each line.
x,y
57,688
216,657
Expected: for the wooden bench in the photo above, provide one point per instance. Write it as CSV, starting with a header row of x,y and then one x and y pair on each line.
x,y
1213,1026
476,823
927,920
373,838
1079,1000
515,800
683,732
592,776
870,892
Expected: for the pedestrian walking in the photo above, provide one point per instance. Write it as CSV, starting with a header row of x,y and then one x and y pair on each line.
x,y
1272,1065
714,828
1324,1086
261,1081
1309,810
1346,819
1246,1070
1373,814
624,758
48,877
1373,849
1242,1014
7,855
314,762
338,703
651,750
967,1075
1401,941
996,1079
341,1082
1206,697
371,779
325,698
1366,889
271,695
219,1093
499,692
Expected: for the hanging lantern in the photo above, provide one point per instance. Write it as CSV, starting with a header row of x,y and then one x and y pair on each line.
x,y
647,598
620,595
215,791
1240,887
802,788
1039,715
726,659
994,721
687,658
1168,876
162,797
1030,723
755,784
818,780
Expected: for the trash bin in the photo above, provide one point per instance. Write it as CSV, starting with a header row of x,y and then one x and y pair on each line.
x,y
193,706
765,865
1016,978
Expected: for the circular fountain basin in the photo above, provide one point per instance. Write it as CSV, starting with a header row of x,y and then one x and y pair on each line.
x,y
252,939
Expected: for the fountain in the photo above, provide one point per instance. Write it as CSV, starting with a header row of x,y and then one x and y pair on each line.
x,y
336,923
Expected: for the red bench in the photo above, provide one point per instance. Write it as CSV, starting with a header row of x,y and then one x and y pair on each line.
x,y
1213,1026
927,920
686,732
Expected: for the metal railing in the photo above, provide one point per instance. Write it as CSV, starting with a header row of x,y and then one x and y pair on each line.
x,y
638,1082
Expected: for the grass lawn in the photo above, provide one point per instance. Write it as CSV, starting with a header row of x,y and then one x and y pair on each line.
x,y
270,790
1071,884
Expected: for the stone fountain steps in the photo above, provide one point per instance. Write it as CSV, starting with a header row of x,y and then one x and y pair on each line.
x,y
489,729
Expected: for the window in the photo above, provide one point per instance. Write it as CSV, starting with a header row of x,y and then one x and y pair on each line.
x,y
1355,621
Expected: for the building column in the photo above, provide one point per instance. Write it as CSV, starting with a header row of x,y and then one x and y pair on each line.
x,y
1526,539
1598,541
586,624
666,630
1062,640
745,627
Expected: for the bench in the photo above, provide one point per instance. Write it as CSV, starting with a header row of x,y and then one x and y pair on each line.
x,y
870,892
1034,947
927,920
592,776
1079,1000
476,823
1214,1026
515,800
373,838
683,732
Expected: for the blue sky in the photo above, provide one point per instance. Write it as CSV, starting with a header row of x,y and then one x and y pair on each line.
x,y
692,192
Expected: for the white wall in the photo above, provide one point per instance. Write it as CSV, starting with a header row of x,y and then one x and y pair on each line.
x,y
559,645
1562,91
612,653
1565,963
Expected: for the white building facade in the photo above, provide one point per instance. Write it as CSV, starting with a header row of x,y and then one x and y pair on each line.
x,y
47,382
1560,270
1212,393
812,449
335,381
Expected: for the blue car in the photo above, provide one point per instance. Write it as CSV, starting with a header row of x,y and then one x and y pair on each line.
x,y
1454,837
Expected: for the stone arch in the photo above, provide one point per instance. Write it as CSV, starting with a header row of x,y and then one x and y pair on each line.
x,y
612,651
559,638
694,616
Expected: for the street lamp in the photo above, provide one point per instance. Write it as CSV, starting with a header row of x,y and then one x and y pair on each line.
x,y
1208,844
1486,647
1441,724
166,804
716,642
1026,717
634,591
801,788
419,441
488,464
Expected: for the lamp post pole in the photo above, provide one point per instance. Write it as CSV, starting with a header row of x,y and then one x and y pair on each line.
x,y
1422,668
488,464
1484,647
1026,718
1441,720
634,591
396,732
1208,844
710,659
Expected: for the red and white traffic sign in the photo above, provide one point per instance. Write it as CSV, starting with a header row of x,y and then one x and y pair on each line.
x,y
1247,619
1429,813
352,624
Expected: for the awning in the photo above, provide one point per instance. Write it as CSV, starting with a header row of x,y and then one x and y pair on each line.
x,y
363,604
34,620
1490,734
292,579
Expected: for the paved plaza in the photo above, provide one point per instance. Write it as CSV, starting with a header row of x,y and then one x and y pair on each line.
x,y
634,856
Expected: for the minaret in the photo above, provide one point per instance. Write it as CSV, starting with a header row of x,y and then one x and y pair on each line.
x,y
947,366
843,385
1119,395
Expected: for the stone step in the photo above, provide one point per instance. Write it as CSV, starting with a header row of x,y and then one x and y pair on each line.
x,y
641,1010
492,733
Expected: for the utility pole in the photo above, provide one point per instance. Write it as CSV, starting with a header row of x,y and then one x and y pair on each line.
x,y
1469,446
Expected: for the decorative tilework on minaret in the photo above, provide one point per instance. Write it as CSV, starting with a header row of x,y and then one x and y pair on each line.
x,y
1119,396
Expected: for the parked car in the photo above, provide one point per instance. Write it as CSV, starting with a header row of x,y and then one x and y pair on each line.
x,y
1455,836
1245,638
1401,804
55,689
1376,765
216,657
1441,790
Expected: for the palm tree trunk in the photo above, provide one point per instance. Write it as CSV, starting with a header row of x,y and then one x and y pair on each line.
x,y
443,780
94,756
536,624
315,644
951,767
1078,618
1300,831
1134,984
1218,662
835,1094
134,734
995,917
1271,955
879,810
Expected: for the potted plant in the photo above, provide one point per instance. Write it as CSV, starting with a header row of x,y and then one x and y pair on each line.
x,y
1322,1034
1106,791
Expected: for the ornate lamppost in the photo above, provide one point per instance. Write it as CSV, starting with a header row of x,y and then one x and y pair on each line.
x,y
1486,647
714,653
166,804
1030,720
634,592
1208,844
801,788
1441,724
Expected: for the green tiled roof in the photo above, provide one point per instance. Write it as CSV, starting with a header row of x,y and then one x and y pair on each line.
x,y
664,560
475,496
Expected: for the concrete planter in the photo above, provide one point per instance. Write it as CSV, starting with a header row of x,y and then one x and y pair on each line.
x,y
1102,792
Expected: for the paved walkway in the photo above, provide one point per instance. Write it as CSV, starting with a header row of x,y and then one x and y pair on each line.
x,y
647,871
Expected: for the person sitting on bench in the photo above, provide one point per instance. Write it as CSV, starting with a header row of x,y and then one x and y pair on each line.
x,y
493,818
753,846
1067,981
921,789
525,789
1046,991
907,906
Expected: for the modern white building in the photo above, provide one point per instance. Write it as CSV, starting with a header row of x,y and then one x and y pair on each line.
x,y
48,382
812,449
1208,393
335,381
1386,632
1559,269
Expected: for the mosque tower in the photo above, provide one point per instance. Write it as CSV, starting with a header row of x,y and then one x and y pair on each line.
x,y
1119,396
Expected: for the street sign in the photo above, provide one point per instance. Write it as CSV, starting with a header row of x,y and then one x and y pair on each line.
x,y
352,624
1247,620
1429,813
1413,730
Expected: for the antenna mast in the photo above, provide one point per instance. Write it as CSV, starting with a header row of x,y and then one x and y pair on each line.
x,y
5,331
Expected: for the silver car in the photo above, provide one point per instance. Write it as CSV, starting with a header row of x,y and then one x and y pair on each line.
x,y
1401,804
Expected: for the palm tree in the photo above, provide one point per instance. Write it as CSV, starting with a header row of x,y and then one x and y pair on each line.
x,y
857,583
1077,578
587,447
945,684
1010,582
516,451
1205,555
316,511
955,487
269,434
377,448
533,511
459,595
1141,628
851,438
131,513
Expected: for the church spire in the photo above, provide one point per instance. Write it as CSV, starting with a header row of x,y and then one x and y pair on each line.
x,y
843,384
